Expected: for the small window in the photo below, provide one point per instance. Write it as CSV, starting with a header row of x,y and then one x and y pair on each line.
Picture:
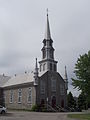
x,y
29,95
11,96
44,66
54,67
19,95
44,54
50,66
51,54
40,68
62,90
45,43
50,43
42,87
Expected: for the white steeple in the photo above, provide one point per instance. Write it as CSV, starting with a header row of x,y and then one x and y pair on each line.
x,y
48,63
47,32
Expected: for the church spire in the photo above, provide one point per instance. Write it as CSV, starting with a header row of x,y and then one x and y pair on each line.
x,y
48,63
65,74
66,78
36,74
47,32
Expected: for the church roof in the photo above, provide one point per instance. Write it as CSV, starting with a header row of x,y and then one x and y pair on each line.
x,y
19,79
42,73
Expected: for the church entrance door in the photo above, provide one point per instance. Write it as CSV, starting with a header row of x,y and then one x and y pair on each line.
x,y
42,102
62,103
53,101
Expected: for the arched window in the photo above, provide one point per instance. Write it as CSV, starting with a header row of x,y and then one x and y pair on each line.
x,y
54,67
19,95
50,66
40,68
29,95
53,85
44,66
62,89
11,96
42,87
44,54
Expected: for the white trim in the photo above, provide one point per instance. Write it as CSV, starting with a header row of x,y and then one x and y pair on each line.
x,y
28,95
19,96
11,96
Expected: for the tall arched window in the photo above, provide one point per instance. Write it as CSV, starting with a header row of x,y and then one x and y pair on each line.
x,y
50,66
44,65
42,87
29,96
53,85
54,67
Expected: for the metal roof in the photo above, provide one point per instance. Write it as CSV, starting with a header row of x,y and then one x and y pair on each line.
x,y
19,79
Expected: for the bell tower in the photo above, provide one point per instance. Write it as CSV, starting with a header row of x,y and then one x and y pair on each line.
x,y
47,63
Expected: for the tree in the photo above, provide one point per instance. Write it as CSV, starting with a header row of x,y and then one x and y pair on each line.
x,y
82,102
71,101
82,72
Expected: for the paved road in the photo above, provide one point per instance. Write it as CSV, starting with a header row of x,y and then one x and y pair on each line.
x,y
14,115
21,115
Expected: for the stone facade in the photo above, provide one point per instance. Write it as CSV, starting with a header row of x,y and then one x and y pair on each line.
x,y
15,104
49,94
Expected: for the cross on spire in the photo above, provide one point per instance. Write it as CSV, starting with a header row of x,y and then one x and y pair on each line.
x,y
47,11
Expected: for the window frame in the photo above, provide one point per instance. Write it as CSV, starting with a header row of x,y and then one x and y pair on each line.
x,y
42,87
19,96
11,96
28,95
62,89
53,85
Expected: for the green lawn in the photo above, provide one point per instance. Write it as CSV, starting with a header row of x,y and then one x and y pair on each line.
x,y
80,116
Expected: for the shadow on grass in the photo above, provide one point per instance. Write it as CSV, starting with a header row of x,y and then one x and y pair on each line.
x,y
80,116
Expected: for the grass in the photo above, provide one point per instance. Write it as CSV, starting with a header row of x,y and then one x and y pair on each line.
x,y
80,116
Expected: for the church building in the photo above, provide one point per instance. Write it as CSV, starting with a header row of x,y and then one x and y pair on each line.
x,y
44,86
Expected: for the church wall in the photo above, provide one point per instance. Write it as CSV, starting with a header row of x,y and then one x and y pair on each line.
x,y
47,77
24,99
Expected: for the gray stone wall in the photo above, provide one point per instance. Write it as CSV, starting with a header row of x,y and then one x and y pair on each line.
x,y
24,103
47,77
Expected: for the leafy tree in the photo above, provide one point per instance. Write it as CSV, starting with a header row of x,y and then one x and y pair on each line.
x,y
71,101
82,72
82,102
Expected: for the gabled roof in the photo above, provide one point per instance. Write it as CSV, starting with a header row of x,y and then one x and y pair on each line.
x,y
19,79
42,73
